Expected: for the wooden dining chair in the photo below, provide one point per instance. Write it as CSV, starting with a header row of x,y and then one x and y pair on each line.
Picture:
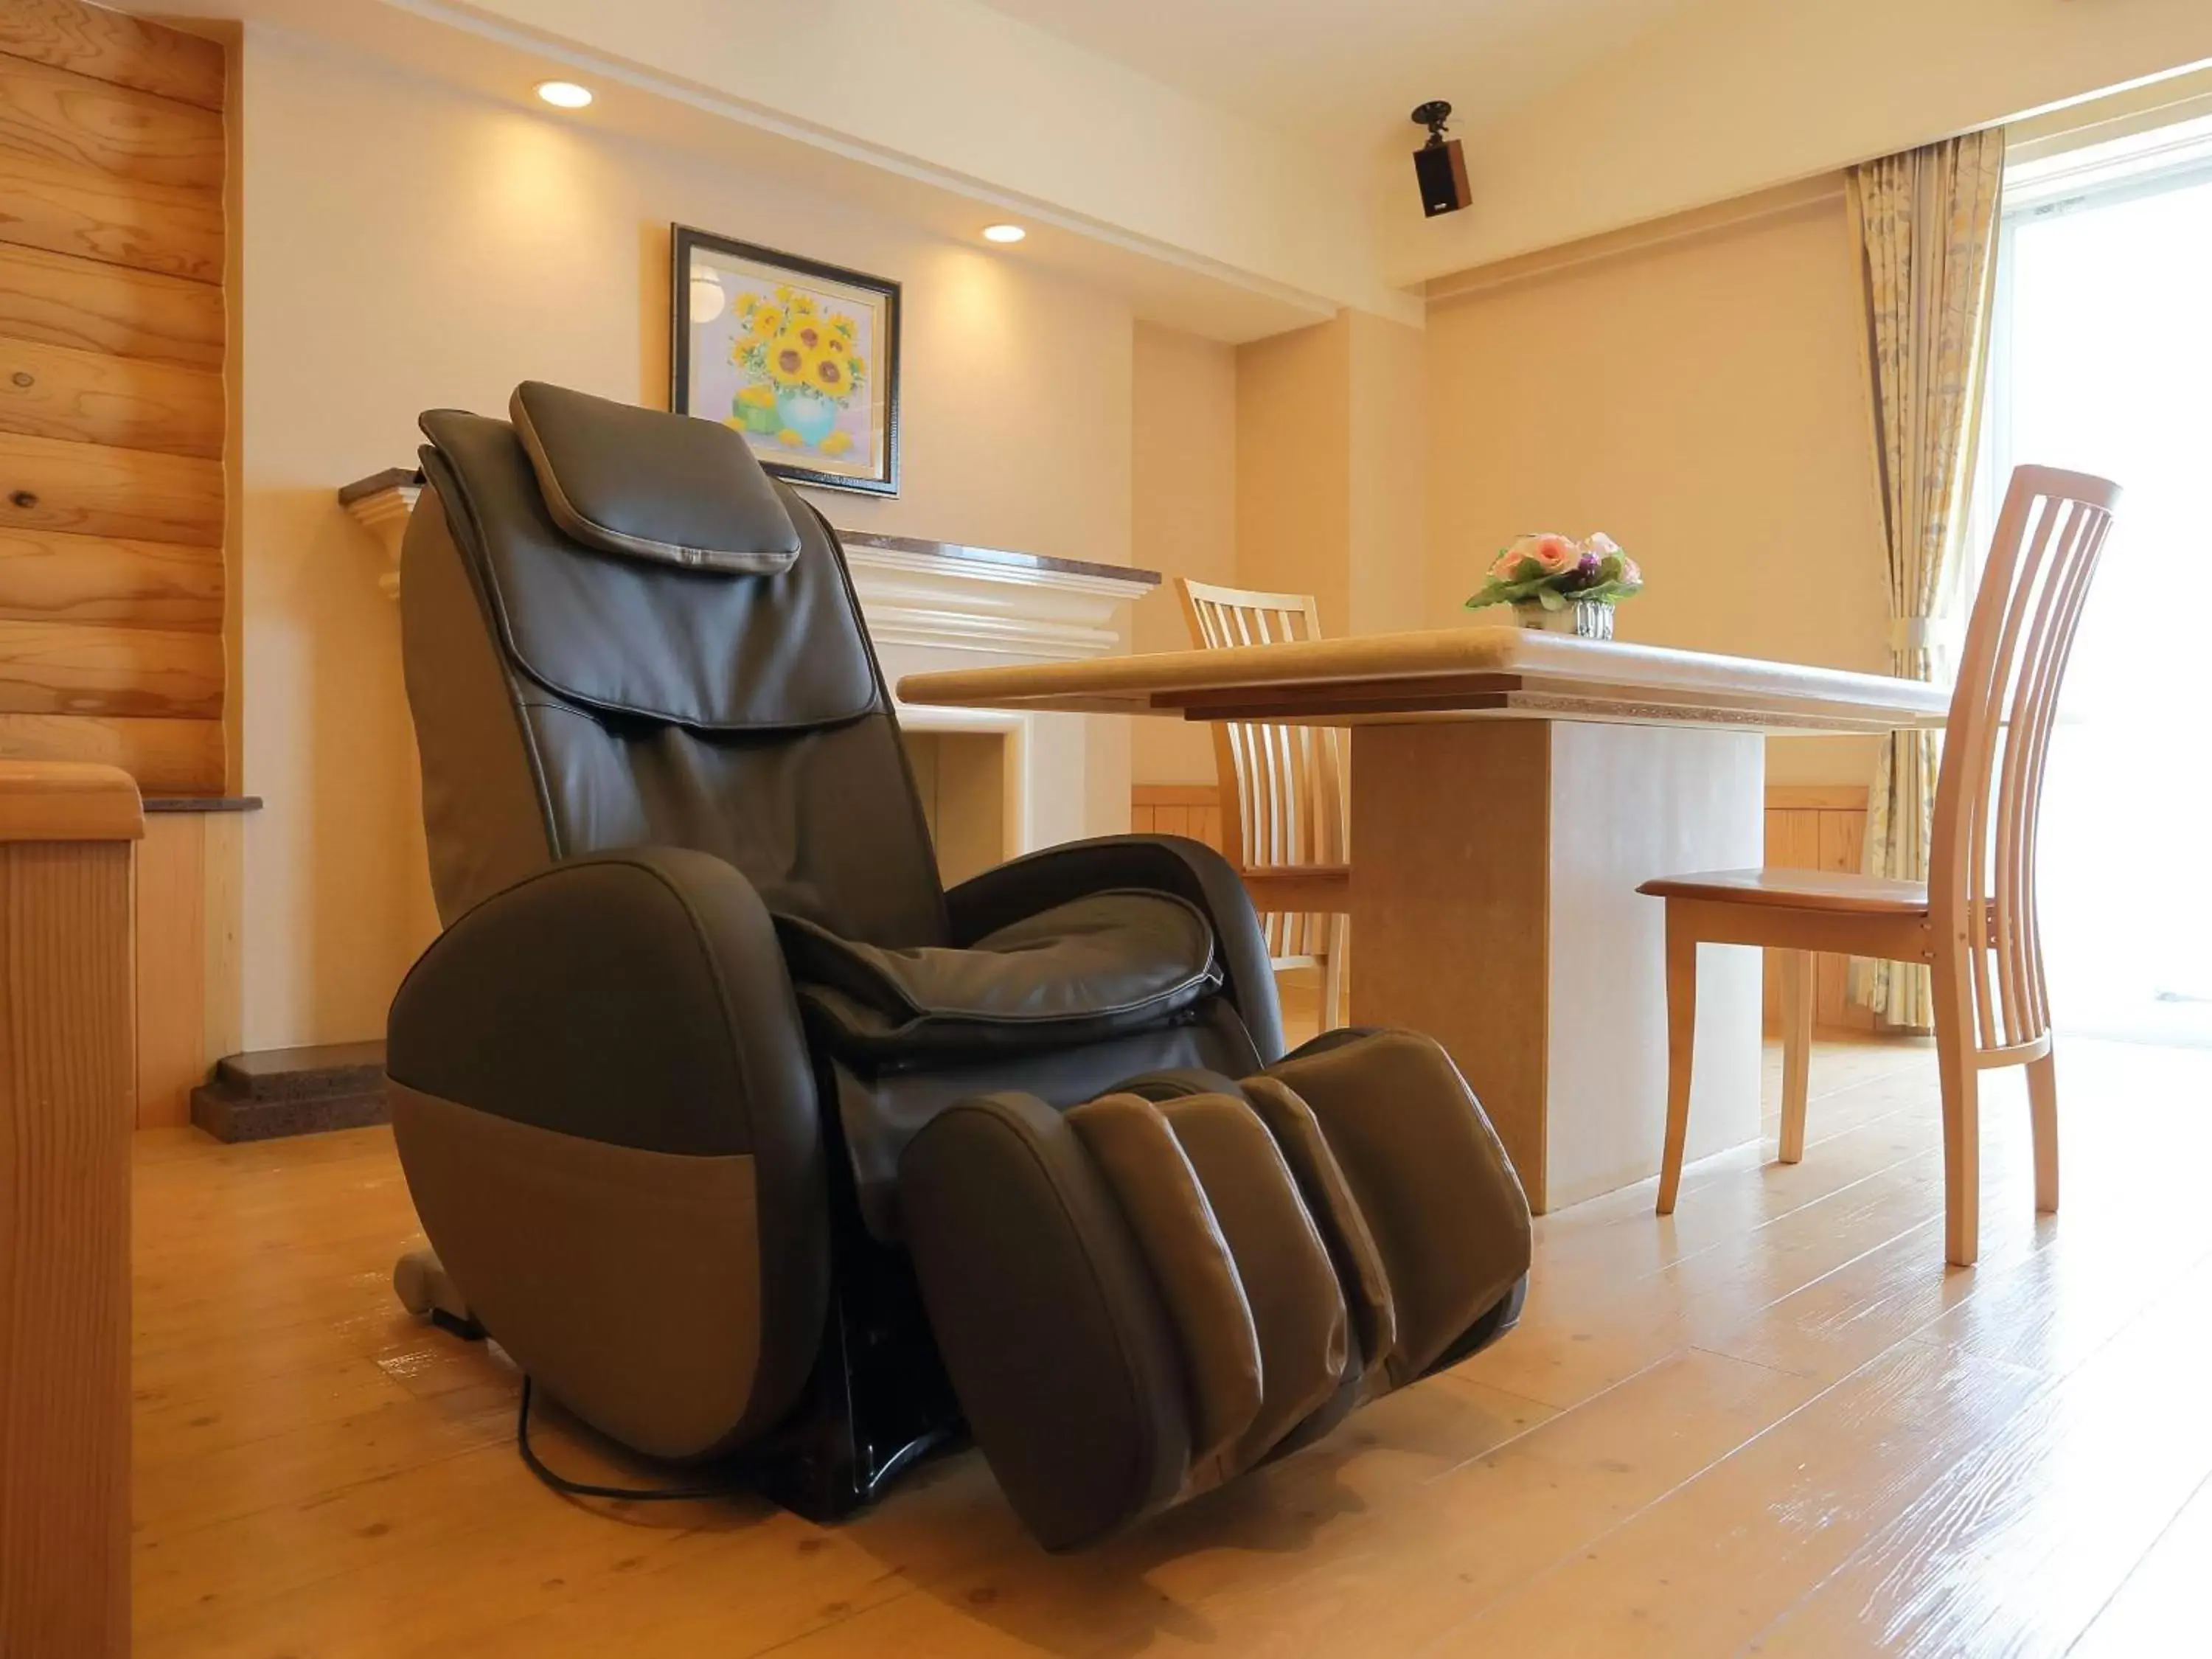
x,y
1283,802
1974,921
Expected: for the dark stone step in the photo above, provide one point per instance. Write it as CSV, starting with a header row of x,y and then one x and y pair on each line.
x,y
294,1092
333,1068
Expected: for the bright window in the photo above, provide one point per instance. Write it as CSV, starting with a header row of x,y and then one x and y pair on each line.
x,y
2101,361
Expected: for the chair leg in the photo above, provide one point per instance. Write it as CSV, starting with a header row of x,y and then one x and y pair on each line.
x,y
1682,1041
1331,974
1962,1124
1796,1051
2043,1120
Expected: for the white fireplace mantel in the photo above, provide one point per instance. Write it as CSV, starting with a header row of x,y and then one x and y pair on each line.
x,y
924,599
937,595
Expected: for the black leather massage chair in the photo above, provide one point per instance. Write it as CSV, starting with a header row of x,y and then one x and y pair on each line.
x,y
751,1143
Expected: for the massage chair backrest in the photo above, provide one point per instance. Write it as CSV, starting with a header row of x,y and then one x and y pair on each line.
x,y
619,632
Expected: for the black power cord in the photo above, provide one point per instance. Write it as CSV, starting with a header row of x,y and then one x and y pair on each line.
x,y
628,1494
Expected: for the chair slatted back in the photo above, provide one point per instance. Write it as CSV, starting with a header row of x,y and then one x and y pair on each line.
x,y
2043,557
1283,797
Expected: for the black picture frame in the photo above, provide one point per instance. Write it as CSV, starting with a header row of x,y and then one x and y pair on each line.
x,y
795,270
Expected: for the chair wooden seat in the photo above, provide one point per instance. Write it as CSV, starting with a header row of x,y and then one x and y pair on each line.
x,y
1798,889
1975,922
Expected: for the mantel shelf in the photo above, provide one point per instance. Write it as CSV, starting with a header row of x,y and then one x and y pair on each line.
x,y
382,504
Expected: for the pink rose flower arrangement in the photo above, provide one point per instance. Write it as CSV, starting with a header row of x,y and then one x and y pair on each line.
x,y
1555,571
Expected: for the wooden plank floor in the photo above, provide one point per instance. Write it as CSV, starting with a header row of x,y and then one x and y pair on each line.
x,y
1773,1424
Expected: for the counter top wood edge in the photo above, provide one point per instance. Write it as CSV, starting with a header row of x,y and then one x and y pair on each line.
x,y
68,800
1500,670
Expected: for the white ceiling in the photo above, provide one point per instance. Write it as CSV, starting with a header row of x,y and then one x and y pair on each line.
x,y
1347,71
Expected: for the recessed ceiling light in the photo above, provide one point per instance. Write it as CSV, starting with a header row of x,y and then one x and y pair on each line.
x,y
564,95
1003,233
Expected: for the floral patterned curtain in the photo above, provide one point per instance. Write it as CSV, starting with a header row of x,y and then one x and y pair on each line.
x,y
1924,228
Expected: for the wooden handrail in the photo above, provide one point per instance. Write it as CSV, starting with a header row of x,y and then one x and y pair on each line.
x,y
66,1069
68,800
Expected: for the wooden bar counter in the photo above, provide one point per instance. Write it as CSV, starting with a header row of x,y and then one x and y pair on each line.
x,y
66,832
1510,790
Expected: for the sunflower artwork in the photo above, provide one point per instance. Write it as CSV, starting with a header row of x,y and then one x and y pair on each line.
x,y
795,357
802,368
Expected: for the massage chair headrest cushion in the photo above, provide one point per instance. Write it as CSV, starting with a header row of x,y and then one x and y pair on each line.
x,y
652,485
743,621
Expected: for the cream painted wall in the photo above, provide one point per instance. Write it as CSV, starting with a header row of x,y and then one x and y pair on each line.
x,y
1330,459
1704,402
1387,468
1727,97
405,245
1183,515
957,91
1293,445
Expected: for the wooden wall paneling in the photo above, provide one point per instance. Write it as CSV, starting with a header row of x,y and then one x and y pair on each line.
x,y
1793,842
1818,828
167,757
122,221
61,668
116,47
82,122
65,1086
1842,840
1177,809
89,397
171,963
96,489
53,577
83,303
113,152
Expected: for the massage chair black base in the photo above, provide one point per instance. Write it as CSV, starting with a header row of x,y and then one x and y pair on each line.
x,y
751,1144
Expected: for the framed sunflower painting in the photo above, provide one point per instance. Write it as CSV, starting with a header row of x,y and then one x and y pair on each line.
x,y
801,357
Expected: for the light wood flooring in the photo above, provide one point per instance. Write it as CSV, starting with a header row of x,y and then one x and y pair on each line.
x,y
1773,1424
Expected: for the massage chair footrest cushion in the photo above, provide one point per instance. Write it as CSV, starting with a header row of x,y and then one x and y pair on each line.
x,y
1148,1294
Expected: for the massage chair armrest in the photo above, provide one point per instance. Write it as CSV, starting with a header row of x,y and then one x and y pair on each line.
x,y
637,998
602,1095
1189,869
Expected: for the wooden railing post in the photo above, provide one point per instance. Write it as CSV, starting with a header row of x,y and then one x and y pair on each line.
x,y
66,1072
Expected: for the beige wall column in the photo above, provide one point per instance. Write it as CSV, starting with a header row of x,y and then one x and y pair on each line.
x,y
1330,470
1184,515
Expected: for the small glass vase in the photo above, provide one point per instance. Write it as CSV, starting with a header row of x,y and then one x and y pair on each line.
x,y
1586,619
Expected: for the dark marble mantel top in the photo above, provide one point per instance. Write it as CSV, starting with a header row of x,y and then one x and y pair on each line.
x,y
402,478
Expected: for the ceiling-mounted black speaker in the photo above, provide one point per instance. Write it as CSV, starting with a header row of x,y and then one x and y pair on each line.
x,y
1440,164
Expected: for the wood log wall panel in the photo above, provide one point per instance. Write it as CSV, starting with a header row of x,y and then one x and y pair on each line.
x,y
56,578
120,221
90,396
69,301
94,490
168,756
115,47
60,116
59,668
113,407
